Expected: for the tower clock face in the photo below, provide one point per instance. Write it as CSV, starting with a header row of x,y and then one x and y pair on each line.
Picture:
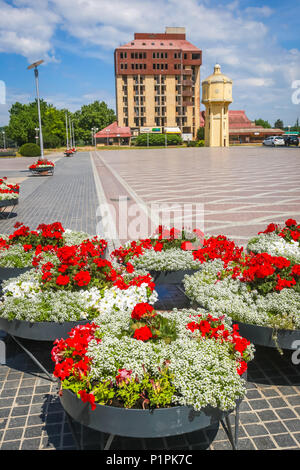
x,y
217,90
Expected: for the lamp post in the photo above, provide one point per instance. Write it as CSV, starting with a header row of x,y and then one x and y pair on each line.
x,y
36,75
70,129
73,135
36,134
67,133
4,143
107,135
94,130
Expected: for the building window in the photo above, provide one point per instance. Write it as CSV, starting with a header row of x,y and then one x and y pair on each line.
x,y
154,66
195,56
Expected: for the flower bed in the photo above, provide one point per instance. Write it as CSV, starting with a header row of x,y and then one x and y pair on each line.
x,y
278,241
76,284
8,191
167,251
24,246
143,359
258,289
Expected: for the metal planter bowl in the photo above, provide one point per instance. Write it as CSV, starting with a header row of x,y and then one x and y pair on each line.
x,y
9,202
8,273
263,336
171,277
39,331
139,423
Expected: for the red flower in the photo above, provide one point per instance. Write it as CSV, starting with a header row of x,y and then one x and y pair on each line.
x,y
129,268
295,235
123,376
82,278
27,247
141,310
143,334
242,367
158,246
290,222
296,270
87,398
62,280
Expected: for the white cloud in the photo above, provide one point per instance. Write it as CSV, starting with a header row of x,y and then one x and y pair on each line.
x,y
264,11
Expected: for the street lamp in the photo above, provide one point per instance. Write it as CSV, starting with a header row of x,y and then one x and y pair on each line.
x,y
94,130
107,135
36,74
4,143
73,135
67,133
36,134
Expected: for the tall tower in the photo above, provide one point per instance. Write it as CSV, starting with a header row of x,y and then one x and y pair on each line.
x,y
158,82
216,96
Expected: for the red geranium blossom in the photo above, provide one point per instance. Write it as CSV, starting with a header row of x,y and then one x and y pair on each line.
x,y
62,280
143,334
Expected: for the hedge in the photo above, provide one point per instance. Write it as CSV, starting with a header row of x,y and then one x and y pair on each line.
x,y
30,150
157,140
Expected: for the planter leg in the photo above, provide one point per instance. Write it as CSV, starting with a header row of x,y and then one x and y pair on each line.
x,y
109,442
228,429
2,348
78,444
33,358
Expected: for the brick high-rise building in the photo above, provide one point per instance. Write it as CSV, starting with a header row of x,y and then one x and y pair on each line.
x,y
158,82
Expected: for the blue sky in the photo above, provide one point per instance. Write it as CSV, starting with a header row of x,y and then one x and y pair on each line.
x,y
257,44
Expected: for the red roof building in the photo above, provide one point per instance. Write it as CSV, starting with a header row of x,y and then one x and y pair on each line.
x,y
242,130
114,133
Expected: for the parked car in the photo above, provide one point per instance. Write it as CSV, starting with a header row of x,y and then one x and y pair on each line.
x,y
291,140
274,140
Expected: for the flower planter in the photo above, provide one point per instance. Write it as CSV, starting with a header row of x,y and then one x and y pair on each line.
x,y
138,423
7,203
38,331
264,336
45,171
171,277
8,273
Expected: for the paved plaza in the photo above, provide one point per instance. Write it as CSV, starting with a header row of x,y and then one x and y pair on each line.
x,y
238,191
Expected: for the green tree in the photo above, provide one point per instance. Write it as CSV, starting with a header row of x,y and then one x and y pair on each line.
x,y
200,133
96,114
263,123
278,124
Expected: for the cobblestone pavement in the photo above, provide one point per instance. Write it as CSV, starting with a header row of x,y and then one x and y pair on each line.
x,y
240,190
31,416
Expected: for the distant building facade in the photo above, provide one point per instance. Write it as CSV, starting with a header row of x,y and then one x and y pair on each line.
x,y
157,79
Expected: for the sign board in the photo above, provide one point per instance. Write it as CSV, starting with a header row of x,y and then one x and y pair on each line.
x,y
150,130
172,130
187,137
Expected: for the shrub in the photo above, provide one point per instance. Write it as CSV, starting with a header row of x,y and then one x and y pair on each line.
x,y
30,150
195,143
158,140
